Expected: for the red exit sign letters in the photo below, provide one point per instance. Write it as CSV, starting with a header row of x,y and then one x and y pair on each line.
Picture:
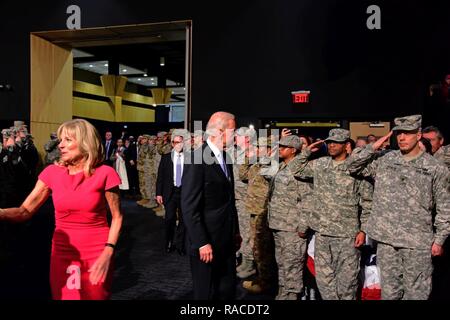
x,y
300,96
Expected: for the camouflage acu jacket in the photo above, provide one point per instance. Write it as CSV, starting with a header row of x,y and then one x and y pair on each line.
x,y
286,193
257,197
404,197
337,197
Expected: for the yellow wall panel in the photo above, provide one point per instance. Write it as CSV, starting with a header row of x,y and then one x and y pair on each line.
x,y
138,98
92,109
134,114
85,87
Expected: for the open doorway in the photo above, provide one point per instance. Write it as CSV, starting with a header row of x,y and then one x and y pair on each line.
x,y
131,76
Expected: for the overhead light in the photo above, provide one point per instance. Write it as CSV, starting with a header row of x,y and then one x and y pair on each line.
x,y
105,65
154,104
139,79
162,61
145,75
124,70
252,127
91,66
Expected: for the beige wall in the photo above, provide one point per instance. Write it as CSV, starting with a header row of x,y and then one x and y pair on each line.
x,y
51,89
362,129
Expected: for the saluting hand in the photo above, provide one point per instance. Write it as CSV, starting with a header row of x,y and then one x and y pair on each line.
x,y
436,250
360,239
314,147
285,132
377,144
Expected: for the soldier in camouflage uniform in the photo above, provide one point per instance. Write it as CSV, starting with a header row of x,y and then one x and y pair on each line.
x,y
143,165
440,278
151,172
287,220
256,202
247,267
440,152
408,183
336,220
164,145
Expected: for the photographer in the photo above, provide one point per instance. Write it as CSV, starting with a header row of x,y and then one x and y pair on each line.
x,y
52,151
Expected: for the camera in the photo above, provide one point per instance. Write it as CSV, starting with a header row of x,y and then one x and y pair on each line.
x,y
8,133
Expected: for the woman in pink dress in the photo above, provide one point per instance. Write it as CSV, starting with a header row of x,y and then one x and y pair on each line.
x,y
83,243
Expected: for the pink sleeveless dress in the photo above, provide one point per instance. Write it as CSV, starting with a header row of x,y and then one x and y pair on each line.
x,y
81,230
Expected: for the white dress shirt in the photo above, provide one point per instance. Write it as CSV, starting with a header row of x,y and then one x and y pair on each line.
x,y
174,160
216,151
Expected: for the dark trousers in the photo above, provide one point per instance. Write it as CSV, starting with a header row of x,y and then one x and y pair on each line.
x,y
215,280
175,234
133,180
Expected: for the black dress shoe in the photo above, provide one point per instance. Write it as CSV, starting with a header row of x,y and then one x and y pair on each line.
x,y
169,247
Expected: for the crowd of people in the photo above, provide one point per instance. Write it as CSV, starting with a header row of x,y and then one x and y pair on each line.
x,y
283,211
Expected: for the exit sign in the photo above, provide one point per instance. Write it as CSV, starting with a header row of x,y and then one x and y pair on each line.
x,y
300,96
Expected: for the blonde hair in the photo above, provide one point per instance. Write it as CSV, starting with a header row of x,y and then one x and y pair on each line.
x,y
89,143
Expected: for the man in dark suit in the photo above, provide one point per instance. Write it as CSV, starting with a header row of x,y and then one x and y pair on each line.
x,y
110,146
209,212
168,193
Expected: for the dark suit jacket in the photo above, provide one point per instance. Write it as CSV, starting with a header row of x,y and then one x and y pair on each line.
x,y
130,154
164,182
208,205
112,147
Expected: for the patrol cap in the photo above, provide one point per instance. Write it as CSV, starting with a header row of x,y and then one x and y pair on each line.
x,y
262,141
291,141
408,123
152,137
161,134
242,131
338,135
18,124
146,136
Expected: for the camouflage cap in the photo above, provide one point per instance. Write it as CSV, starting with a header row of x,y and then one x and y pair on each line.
x,y
152,137
291,141
242,131
161,134
18,124
338,135
408,123
262,141
146,136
